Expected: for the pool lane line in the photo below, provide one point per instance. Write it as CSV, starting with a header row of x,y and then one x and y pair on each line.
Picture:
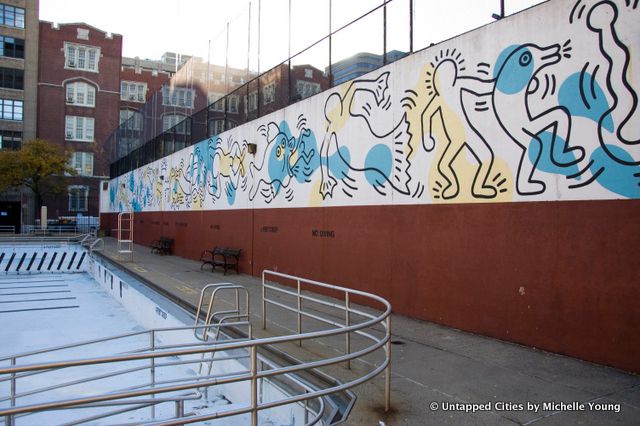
x,y
38,300
39,309
37,292
34,286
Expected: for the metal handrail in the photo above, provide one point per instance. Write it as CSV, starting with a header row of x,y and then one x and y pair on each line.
x,y
252,374
97,241
9,229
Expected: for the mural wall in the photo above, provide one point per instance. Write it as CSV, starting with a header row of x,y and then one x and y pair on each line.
x,y
438,170
546,111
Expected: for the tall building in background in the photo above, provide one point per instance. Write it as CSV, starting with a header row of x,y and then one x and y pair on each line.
x,y
18,94
140,79
79,106
19,71
360,64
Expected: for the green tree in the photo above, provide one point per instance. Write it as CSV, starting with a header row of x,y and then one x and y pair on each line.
x,y
39,166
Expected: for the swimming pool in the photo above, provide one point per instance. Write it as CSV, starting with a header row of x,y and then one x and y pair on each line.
x,y
160,368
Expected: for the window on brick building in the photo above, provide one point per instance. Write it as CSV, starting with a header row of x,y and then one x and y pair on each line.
x,y
269,93
133,119
11,47
233,103
177,96
81,57
82,162
216,127
78,198
81,94
217,101
306,89
11,109
133,91
79,128
11,78
251,102
180,123
11,16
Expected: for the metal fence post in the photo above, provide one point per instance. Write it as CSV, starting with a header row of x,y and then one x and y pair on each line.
x,y
179,409
13,383
347,323
299,314
254,386
387,371
152,369
264,305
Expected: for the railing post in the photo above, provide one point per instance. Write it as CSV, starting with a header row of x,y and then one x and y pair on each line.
x,y
179,409
299,314
8,420
13,385
152,370
264,306
387,371
347,323
254,385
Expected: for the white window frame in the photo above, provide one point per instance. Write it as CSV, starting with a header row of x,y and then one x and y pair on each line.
x,y
79,129
216,127
251,102
178,97
217,101
234,100
82,162
307,88
127,114
81,57
133,91
171,120
269,93
75,203
81,94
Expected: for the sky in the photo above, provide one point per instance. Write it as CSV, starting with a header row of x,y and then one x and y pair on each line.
x,y
199,27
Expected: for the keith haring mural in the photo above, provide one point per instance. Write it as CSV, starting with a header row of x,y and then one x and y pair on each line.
x,y
515,112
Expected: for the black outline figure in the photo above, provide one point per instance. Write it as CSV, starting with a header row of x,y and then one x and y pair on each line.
x,y
516,119
284,148
601,19
362,98
447,87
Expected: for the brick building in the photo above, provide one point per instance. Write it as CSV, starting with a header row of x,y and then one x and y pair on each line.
x,y
78,106
139,81
18,95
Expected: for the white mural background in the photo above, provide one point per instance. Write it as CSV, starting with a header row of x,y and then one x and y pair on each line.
x,y
541,106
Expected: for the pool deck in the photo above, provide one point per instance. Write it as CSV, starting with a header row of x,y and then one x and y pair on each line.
x,y
435,367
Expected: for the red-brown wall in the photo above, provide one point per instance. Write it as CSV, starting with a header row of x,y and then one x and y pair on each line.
x,y
560,276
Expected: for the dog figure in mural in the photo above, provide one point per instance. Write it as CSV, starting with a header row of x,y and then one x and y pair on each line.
x,y
365,98
515,80
280,163
447,90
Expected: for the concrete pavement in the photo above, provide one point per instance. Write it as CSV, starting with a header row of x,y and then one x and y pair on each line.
x,y
441,375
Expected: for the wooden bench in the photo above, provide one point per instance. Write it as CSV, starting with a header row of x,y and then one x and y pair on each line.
x,y
226,258
162,246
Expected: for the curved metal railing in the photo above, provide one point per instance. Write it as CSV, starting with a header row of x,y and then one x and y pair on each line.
x,y
370,329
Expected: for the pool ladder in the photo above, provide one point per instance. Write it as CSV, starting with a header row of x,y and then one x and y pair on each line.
x,y
238,312
125,235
